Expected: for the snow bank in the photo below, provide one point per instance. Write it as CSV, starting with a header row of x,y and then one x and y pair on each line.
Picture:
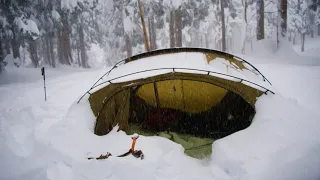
x,y
263,48
74,138
282,135
18,136
265,52
11,62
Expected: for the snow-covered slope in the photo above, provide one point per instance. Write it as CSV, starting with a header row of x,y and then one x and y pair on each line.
x,y
51,140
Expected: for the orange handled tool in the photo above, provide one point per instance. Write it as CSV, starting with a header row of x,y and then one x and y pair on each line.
x,y
137,153
134,139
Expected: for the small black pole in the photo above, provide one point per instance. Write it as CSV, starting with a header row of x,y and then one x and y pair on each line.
x,y
44,83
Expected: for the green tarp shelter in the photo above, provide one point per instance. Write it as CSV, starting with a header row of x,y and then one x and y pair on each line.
x,y
185,90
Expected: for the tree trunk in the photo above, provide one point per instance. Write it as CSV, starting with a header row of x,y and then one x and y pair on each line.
x,y
243,51
150,33
7,42
294,39
260,20
15,43
318,29
231,44
207,41
60,46
1,53
154,34
33,52
79,56
144,27
311,31
178,28
23,58
223,29
128,45
66,40
84,58
171,30
46,50
303,39
284,7
1,56
290,38
53,61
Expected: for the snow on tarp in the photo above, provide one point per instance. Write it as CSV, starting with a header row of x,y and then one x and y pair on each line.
x,y
188,62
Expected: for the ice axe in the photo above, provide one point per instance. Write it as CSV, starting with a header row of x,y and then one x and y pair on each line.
x,y
135,153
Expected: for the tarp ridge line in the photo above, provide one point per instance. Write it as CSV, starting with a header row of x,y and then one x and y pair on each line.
x,y
200,70
101,78
176,50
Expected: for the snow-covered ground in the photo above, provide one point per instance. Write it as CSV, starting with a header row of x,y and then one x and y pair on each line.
x,y
51,140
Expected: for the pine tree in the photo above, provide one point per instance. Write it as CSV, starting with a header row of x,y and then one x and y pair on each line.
x,y
315,7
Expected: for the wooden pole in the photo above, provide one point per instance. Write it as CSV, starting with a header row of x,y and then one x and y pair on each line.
x,y
144,27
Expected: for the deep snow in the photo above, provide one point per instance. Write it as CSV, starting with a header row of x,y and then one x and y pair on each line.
x,y
51,140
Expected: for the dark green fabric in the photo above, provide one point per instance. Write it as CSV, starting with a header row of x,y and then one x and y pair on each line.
x,y
103,107
195,147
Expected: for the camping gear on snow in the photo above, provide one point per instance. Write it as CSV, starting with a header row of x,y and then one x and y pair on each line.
x,y
199,92
135,153
101,156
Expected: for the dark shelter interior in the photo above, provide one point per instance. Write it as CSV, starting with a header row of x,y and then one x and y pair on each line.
x,y
231,114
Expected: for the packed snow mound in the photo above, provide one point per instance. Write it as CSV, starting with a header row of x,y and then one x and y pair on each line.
x,y
263,48
282,134
11,62
286,52
311,47
18,136
267,49
266,52
74,138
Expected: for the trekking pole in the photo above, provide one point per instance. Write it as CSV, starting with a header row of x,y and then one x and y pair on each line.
x,y
44,83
